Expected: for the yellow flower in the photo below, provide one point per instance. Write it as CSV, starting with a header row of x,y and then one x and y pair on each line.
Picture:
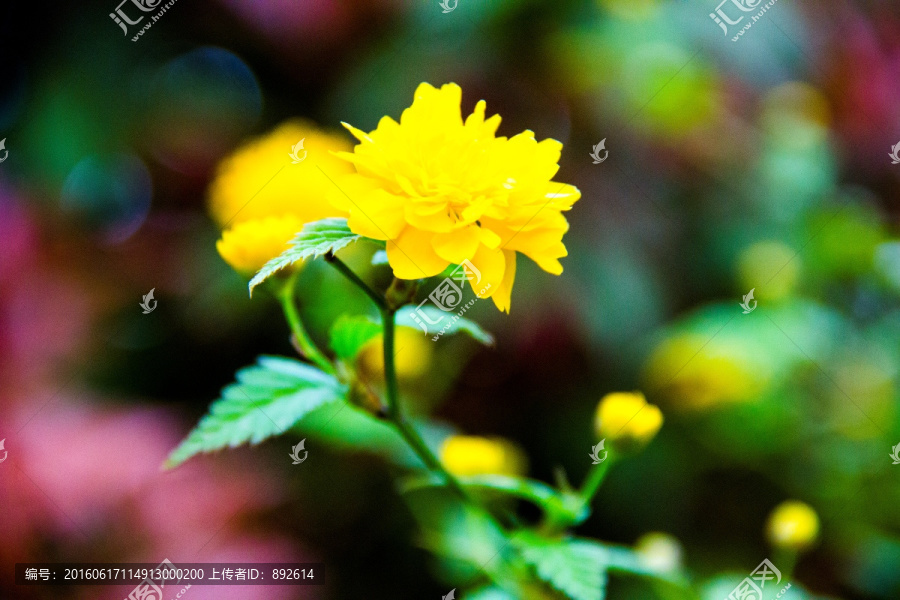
x,y
627,418
441,190
465,455
249,245
793,524
266,198
260,180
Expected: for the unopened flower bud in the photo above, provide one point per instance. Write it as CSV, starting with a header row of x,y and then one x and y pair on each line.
x,y
793,525
626,419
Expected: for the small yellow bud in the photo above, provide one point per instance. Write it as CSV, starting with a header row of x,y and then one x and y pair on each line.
x,y
793,525
465,455
626,417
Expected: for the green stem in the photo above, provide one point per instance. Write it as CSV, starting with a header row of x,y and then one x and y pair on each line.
x,y
577,507
594,479
377,298
786,559
395,412
308,348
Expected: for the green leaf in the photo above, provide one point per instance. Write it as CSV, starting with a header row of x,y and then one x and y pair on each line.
x,y
489,593
350,334
575,567
437,320
315,239
267,399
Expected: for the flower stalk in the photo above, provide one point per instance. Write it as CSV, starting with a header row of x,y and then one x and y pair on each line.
x,y
301,336
394,411
338,264
594,480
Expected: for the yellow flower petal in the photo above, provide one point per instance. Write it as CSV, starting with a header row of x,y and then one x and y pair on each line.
x,y
414,243
357,133
458,245
378,215
489,238
561,196
259,180
427,217
250,244
492,265
503,296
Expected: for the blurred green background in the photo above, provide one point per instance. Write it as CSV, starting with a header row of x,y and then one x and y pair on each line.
x,y
758,164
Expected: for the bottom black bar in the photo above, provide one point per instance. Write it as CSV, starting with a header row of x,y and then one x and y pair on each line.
x,y
170,574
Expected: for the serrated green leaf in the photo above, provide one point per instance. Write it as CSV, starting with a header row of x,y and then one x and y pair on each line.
x,y
575,567
315,239
437,320
349,334
267,399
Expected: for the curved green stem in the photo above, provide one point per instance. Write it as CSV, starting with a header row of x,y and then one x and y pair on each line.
x,y
337,263
307,347
594,479
577,505
395,412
